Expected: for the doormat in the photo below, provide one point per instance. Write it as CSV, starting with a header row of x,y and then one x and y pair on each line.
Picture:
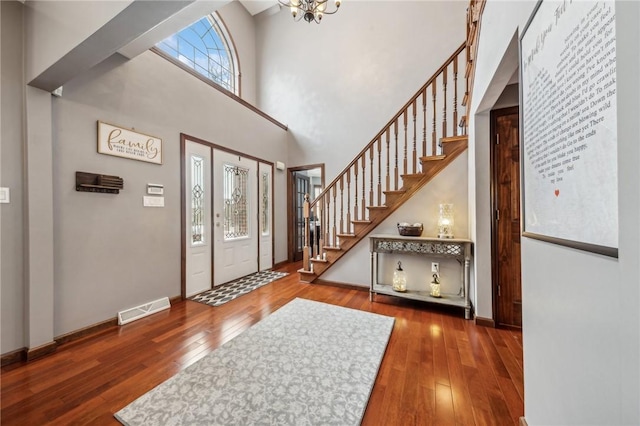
x,y
229,291
308,363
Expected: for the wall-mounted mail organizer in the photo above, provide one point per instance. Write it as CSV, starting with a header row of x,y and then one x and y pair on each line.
x,y
93,182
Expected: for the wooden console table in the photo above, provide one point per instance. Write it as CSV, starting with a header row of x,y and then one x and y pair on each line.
x,y
458,249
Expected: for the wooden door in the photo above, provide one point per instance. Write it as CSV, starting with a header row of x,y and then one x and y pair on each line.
x,y
507,289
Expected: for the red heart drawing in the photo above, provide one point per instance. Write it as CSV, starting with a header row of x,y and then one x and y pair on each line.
x,y
557,192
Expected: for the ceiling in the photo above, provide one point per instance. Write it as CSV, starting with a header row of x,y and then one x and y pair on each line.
x,y
256,6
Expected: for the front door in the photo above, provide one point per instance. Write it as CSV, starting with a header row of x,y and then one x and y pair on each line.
x,y
235,199
506,220
197,166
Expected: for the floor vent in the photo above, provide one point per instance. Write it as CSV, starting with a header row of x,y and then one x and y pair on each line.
x,y
142,311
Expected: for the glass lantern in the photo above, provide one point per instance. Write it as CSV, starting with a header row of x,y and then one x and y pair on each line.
x,y
445,221
399,279
435,286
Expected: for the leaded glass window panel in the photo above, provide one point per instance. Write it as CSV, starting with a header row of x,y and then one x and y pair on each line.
x,y
236,208
265,204
203,47
197,200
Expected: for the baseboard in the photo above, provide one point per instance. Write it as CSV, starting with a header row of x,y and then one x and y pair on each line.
x,y
86,331
485,322
12,357
280,264
40,351
341,285
523,422
25,354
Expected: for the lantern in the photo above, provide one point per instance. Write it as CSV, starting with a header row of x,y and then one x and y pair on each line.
x,y
399,279
435,286
445,221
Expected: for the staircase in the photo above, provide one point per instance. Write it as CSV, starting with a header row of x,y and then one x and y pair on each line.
x,y
421,140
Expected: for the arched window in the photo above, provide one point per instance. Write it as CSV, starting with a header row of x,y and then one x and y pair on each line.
x,y
204,46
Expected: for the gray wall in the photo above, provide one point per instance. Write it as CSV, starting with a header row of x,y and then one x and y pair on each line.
x,y
11,175
110,252
581,324
338,83
240,25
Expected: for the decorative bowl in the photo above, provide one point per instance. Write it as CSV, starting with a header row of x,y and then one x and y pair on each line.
x,y
407,230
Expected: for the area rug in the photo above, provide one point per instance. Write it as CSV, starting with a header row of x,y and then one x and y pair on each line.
x,y
308,363
229,291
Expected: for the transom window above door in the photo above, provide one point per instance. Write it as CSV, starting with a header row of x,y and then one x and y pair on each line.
x,y
204,47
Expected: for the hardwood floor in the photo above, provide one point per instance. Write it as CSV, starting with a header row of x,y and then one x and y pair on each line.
x,y
438,368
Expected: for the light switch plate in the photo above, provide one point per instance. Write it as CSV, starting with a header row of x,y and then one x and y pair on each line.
x,y
4,195
153,201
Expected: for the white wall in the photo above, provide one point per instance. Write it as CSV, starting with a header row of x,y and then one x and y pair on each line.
x,y
338,83
110,252
581,326
449,186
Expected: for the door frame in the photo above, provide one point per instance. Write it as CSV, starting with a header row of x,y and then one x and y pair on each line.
x,y
291,203
494,114
183,203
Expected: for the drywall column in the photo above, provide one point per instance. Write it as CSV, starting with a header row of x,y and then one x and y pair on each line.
x,y
39,234
11,176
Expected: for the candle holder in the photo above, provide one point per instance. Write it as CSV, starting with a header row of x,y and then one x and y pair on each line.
x,y
445,221
399,279
435,286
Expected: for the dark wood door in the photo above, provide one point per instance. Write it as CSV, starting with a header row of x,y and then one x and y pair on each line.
x,y
507,289
302,186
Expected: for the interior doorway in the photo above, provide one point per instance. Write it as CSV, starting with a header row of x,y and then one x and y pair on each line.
x,y
505,172
301,180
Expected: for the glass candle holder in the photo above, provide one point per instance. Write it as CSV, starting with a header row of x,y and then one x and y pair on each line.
x,y
399,279
445,221
435,286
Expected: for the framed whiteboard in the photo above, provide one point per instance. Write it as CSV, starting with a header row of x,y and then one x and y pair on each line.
x,y
568,125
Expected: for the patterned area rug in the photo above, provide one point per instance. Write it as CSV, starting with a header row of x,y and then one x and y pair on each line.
x,y
229,291
308,363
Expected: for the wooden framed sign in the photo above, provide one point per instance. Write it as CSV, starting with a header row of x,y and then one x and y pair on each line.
x,y
568,125
121,142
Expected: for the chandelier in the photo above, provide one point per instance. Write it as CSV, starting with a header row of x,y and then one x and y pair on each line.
x,y
310,10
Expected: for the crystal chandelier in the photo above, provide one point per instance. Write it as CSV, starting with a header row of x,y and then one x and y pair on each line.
x,y
310,10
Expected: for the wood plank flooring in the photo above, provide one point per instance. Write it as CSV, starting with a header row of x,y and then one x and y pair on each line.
x,y
438,368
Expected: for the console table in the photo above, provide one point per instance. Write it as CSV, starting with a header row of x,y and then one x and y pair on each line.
x,y
458,249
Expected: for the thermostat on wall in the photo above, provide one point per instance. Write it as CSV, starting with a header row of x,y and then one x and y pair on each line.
x,y
155,189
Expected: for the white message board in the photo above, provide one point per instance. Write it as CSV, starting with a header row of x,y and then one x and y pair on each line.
x,y
121,142
568,119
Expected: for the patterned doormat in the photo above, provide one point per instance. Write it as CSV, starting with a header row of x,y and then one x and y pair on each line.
x,y
229,291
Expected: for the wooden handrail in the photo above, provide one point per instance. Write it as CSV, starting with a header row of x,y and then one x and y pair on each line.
x,y
391,122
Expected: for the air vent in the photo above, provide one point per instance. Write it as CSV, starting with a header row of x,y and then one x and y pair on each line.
x,y
142,311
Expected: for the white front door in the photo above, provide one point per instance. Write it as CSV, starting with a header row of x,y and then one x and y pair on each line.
x,y
235,210
265,218
198,217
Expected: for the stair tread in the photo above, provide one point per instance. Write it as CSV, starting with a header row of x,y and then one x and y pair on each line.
x,y
399,191
451,139
302,271
413,175
346,235
330,248
433,158
361,222
377,207
316,260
